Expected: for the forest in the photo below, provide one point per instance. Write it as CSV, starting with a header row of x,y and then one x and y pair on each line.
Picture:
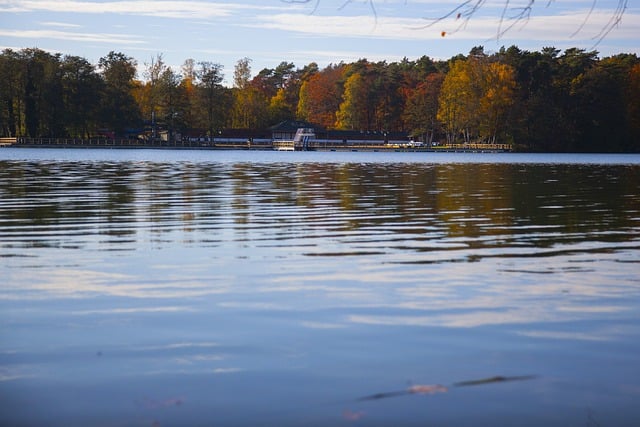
x,y
542,101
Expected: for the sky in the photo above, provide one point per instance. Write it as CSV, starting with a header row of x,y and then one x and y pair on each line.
x,y
304,31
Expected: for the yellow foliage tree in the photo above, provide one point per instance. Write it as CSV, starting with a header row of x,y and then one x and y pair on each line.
x,y
474,99
499,86
279,108
250,108
353,109
458,101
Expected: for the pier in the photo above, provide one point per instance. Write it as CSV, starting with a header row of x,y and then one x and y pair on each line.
x,y
304,141
223,144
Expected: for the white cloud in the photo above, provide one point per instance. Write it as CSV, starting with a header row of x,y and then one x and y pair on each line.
x,y
166,9
322,325
325,57
227,370
60,25
73,36
169,309
563,336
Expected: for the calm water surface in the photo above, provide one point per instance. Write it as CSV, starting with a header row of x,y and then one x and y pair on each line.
x,y
196,288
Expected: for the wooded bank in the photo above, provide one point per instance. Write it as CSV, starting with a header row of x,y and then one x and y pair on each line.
x,y
532,101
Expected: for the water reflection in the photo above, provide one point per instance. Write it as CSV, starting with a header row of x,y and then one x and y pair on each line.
x,y
209,277
489,221
461,200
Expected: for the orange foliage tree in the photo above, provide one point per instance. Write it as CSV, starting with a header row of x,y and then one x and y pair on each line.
x,y
320,96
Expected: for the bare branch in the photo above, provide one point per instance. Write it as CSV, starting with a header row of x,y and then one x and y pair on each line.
x,y
371,5
315,6
345,4
613,21
509,16
586,19
521,16
463,13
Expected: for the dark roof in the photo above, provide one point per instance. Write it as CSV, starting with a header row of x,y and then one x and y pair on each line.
x,y
292,126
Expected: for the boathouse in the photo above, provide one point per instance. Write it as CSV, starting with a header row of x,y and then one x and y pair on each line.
x,y
286,131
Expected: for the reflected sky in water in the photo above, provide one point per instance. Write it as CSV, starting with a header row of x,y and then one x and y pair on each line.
x,y
144,287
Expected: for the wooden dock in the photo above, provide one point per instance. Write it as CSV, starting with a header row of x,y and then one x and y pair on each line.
x,y
314,145
134,143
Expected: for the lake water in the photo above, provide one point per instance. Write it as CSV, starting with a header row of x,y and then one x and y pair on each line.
x,y
236,288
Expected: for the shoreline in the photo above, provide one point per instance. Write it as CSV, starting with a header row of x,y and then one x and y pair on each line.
x,y
217,148
124,144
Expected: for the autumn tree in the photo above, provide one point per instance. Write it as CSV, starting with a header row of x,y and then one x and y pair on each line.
x,y
282,105
188,84
421,108
241,93
189,73
476,94
149,94
321,94
166,97
354,109
173,102
210,95
458,101
250,103
280,88
250,108
279,107
242,73
498,88
372,97
386,96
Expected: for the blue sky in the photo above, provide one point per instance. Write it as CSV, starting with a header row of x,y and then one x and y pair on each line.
x,y
322,31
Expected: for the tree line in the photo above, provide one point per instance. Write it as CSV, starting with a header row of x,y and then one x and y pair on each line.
x,y
538,101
